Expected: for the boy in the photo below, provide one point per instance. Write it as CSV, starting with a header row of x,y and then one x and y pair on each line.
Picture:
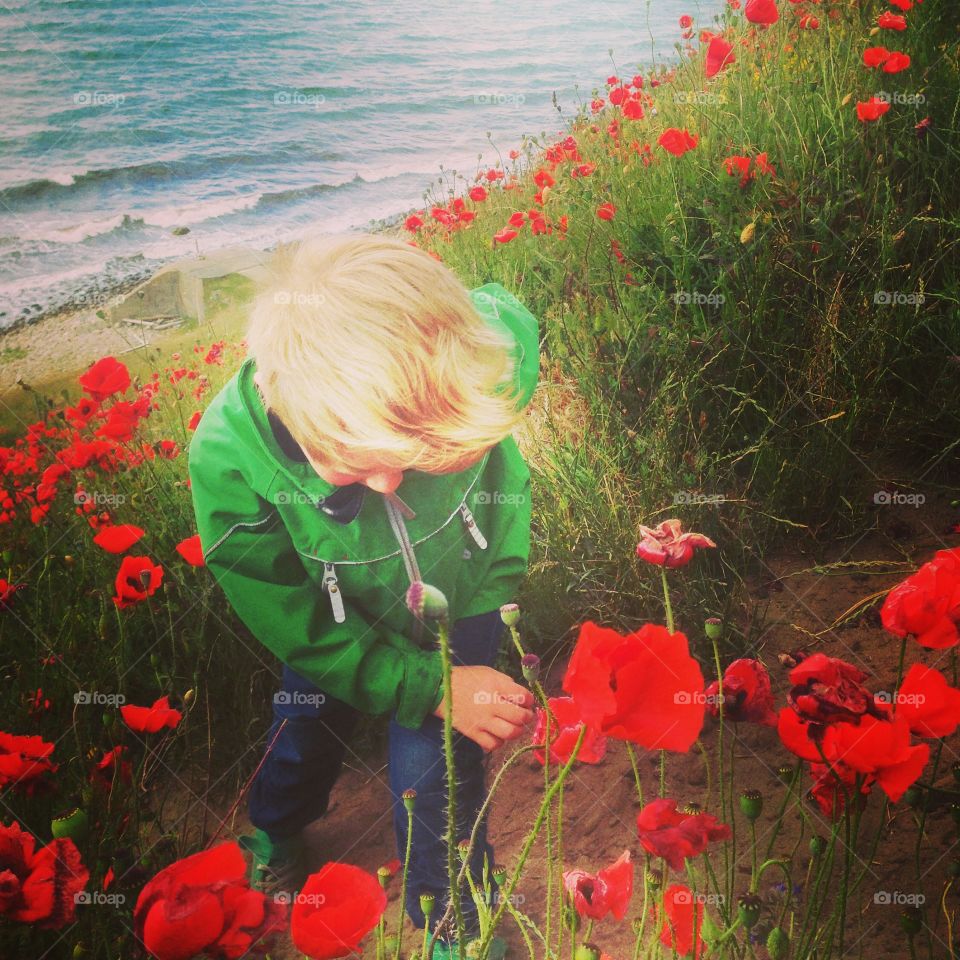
x,y
364,444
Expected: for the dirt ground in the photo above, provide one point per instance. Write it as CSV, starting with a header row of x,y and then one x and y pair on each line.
x,y
799,601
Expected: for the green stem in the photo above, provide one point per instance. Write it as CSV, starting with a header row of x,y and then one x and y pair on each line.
x,y
403,884
666,598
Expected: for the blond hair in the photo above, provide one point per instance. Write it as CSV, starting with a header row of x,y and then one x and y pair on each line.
x,y
373,355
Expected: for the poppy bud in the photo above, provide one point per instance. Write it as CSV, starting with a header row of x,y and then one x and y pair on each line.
x,y
530,664
409,798
911,920
383,875
778,944
751,804
510,614
571,918
586,951
189,697
748,909
426,903
155,661
713,627
426,602
145,577
817,846
102,628
107,719
72,824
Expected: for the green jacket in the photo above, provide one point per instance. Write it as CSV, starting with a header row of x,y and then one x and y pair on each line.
x,y
326,595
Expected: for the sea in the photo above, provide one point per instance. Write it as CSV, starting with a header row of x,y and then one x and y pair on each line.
x,y
135,132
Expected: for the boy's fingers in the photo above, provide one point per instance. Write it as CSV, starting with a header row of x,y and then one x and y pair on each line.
x,y
502,729
514,714
486,741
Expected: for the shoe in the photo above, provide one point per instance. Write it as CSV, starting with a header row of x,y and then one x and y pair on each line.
x,y
279,867
447,950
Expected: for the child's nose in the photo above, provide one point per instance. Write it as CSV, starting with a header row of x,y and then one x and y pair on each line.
x,y
384,482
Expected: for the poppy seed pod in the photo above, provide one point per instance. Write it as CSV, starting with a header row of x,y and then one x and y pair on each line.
x,y
426,602
383,875
817,846
530,664
586,951
751,804
748,909
713,628
409,798
911,920
426,903
72,824
510,614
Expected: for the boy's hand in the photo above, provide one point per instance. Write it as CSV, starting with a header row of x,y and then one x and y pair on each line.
x,y
488,707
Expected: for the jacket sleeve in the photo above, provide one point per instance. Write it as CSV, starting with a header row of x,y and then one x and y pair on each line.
x,y
252,557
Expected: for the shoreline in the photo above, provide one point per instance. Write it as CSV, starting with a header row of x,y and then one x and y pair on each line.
x,y
67,339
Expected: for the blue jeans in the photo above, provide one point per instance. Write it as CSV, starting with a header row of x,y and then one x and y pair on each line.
x,y
293,786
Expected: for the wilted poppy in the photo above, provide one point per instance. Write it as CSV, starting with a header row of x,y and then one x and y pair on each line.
x,y
826,689
747,695
666,545
643,687
761,11
118,537
105,378
334,910
23,760
677,142
565,726
39,886
607,892
204,904
666,832
928,703
927,604
151,719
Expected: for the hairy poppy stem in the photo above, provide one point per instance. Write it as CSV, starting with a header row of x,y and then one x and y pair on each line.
x,y
666,598
403,882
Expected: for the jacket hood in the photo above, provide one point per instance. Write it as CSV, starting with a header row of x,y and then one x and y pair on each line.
x,y
493,302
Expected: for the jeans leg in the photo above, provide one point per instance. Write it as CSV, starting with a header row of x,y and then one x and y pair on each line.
x,y
293,786
417,761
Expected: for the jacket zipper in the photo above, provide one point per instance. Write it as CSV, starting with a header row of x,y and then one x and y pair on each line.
x,y
472,527
333,590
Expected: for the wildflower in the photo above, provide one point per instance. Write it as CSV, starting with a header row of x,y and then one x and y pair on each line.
x,y
565,726
677,142
719,55
666,832
137,579
747,696
763,12
118,538
927,604
872,109
666,545
891,21
928,703
191,550
683,918
151,719
105,378
23,760
607,892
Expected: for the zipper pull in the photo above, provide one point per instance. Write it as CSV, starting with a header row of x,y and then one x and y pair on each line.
x,y
480,539
333,589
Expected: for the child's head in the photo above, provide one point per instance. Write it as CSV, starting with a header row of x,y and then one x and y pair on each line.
x,y
374,357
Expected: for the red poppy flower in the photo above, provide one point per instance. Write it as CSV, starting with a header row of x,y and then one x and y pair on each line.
x,y
826,689
675,836
39,886
505,235
799,736
477,194
195,420
896,62
105,378
761,11
203,904
606,211
739,165
872,109
138,578
927,604
118,538
763,164
891,21
565,724
677,142
112,763
23,760
666,545
683,919
151,719
808,22
191,551
413,223
334,910
928,703
643,687
904,5
747,696
719,55
686,21
7,590
608,891
833,784
878,747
